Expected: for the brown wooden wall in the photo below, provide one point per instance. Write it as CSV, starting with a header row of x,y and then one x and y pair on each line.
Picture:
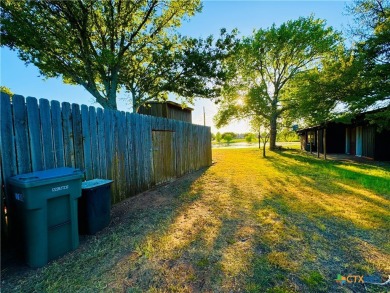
x,y
38,135
368,141
167,110
179,114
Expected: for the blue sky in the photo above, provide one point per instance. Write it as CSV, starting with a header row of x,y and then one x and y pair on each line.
x,y
244,15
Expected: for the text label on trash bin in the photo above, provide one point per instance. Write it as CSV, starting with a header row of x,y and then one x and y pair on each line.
x,y
60,188
19,197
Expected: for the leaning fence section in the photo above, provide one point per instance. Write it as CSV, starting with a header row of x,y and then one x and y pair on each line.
x,y
136,151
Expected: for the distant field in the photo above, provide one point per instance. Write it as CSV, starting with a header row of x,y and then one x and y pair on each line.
x,y
241,144
286,223
242,140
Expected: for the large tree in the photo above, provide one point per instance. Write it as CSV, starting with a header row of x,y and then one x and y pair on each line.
x,y
267,62
184,66
372,27
355,79
93,43
320,93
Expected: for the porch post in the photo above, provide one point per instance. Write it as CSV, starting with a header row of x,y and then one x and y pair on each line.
x,y
347,141
318,144
324,140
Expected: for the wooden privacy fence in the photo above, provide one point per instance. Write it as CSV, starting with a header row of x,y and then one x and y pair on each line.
x,y
136,151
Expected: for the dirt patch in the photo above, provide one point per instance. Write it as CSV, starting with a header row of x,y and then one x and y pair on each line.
x,y
124,213
286,223
157,197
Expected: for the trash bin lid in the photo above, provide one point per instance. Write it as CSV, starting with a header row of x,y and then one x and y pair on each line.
x,y
95,183
45,177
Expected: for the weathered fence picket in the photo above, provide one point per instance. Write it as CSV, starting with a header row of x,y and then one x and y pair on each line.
x,y
58,142
101,143
8,157
78,139
21,134
46,130
130,152
94,143
86,142
68,134
105,143
34,134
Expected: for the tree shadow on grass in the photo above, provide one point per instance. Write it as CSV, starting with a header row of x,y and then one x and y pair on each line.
x,y
223,250
331,173
334,170
119,246
217,232
337,189
312,224
335,236
324,244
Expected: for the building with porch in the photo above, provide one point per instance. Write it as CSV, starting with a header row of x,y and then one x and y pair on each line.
x,y
357,138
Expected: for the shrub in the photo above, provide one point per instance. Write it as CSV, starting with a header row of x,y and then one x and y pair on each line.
x,y
250,137
218,137
228,138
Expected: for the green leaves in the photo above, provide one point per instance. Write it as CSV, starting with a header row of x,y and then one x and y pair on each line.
x,y
110,45
91,42
280,52
372,26
356,79
266,63
6,90
185,66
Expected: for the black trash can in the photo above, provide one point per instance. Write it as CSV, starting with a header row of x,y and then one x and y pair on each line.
x,y
94,206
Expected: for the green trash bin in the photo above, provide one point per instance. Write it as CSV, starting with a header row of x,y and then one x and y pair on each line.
x,y
43,213
94,206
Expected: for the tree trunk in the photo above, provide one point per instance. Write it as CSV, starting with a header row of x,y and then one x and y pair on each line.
x,y
273,132
111,102
106,102
264,143
111,87
134,100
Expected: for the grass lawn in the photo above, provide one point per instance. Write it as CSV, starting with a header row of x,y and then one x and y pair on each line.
x,y
255,144
286,223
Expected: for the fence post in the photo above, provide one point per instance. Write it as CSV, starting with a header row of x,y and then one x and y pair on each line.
x,y
8,158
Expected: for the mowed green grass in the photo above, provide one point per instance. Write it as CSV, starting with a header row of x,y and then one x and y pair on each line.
x,y
286,223
255,141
